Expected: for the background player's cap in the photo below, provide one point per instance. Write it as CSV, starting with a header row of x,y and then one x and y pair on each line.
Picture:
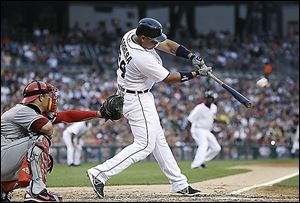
x,y
209,94
151,28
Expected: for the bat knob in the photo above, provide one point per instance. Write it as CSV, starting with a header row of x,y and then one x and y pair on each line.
x,y
248,105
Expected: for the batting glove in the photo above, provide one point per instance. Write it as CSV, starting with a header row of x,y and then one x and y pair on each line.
x,y
203,71
197,61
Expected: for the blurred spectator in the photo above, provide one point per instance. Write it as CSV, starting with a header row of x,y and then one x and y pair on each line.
x,y
82,64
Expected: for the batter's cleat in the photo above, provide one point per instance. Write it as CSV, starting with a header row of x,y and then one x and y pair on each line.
x,y
201,166
98,186
189,191
43,196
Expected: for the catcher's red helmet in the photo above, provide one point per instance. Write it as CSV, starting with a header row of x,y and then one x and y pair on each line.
x,y
34,89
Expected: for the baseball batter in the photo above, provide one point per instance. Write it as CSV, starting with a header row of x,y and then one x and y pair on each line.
x,y
140,67
26,131
202,118
72,137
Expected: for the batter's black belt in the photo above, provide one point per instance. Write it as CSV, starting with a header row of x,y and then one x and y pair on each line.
x,y
133,91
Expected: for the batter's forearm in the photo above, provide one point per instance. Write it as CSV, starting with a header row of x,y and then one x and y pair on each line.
x,y
168,46
177,77
174,49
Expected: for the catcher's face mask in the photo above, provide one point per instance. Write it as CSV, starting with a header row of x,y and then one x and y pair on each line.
x,y
53,98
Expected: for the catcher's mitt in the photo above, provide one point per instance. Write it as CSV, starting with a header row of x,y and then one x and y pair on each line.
x,y
112,107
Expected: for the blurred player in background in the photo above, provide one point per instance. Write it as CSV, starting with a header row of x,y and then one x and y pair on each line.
x,y
202,118
140,67
26,132
295,139
72,137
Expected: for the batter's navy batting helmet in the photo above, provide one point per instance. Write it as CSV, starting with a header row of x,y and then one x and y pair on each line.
x,y
151,28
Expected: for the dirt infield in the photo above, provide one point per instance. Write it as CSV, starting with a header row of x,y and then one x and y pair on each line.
x,y
217,190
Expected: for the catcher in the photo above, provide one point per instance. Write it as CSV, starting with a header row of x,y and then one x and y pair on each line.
x,y
26,131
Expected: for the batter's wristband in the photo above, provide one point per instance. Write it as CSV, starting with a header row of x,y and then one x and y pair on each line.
x,y
182,52
185,76
192,57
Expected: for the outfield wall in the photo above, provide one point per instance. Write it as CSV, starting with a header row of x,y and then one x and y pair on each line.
x,y
100,153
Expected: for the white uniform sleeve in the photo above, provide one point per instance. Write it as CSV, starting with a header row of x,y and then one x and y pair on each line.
x,y
149,67
215,109
194,114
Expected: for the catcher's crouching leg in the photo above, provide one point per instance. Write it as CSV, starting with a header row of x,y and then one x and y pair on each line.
x,y
40,163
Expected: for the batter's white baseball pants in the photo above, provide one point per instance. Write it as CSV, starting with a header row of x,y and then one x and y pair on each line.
x,y
208,146
149,137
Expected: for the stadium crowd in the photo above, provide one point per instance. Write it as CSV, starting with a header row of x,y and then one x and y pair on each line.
x,y
82,64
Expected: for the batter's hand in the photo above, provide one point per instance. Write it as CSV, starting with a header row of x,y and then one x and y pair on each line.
x,y
203,71
197,61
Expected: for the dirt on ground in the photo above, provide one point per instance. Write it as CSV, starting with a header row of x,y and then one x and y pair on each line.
x,y
216,190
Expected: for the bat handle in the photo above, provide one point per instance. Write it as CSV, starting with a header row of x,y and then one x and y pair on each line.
x,y
210,74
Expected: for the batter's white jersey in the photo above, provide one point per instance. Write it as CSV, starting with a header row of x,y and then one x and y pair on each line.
x,y
202,116
139,68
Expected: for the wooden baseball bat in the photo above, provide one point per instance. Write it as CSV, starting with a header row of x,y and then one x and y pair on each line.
x,y
237,95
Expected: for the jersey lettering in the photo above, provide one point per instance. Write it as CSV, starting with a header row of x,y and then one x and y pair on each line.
x,y
124,58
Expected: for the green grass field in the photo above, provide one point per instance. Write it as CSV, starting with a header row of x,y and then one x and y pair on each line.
x,y
144,173
291,182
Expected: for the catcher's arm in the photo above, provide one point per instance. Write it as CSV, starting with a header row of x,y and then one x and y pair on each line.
x,y
70,116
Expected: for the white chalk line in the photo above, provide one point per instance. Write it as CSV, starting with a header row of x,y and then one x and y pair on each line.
x,y
264,184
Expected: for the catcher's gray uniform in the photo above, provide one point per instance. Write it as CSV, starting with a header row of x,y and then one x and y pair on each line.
x,y
16,141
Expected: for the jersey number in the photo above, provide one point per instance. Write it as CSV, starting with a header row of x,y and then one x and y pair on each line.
x,y
122,66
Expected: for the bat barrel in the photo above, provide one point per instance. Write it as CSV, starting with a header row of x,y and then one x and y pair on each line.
x,y
237,95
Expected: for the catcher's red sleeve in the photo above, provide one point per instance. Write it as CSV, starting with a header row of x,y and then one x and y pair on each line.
x,y
38,124
74,116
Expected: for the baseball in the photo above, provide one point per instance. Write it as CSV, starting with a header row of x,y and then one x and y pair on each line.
x,y
263,82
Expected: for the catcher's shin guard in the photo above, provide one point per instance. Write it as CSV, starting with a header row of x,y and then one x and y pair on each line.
x,y
40,162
